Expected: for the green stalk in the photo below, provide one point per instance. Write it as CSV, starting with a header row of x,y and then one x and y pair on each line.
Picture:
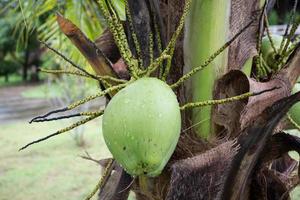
x,y
207,30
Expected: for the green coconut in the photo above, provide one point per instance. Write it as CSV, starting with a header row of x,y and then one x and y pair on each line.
x,y
295,110
267,51
141,126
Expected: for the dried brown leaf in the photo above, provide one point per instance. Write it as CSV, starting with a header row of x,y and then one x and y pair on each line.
x,y
89,50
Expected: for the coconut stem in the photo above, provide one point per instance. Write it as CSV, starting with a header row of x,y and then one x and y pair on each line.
x,y
144,186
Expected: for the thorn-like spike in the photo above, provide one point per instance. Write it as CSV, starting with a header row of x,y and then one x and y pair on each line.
x,y
57,118
79,123
39,140
48,114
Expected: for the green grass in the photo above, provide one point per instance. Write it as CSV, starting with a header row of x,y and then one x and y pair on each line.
x,y
49,170
14,79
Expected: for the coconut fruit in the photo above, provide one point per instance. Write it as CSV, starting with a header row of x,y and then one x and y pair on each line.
x,y
141,126
267,51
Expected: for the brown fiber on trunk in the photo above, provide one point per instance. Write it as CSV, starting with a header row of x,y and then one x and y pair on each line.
x,y
245,46
285,79
232,117
200,177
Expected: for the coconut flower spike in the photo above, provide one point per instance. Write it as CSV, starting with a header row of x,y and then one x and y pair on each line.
x,y
81,74
134,36
107,171
120,39
269,34
69,61
291,22
168,51
284,50
171,45
81,114
210,59
79,123
83,101
274,50
223,101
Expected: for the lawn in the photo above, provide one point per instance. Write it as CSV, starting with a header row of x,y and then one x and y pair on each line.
x,y
49,170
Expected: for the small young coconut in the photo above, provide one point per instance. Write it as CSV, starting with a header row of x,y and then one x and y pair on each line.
x,y
295,110
141,126
267,51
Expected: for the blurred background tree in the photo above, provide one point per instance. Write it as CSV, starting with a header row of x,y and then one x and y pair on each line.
x,y
21,53
281,12
26,22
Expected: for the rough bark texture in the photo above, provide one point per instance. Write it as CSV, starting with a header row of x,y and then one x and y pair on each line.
x,y
245,46
199,177
226,117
